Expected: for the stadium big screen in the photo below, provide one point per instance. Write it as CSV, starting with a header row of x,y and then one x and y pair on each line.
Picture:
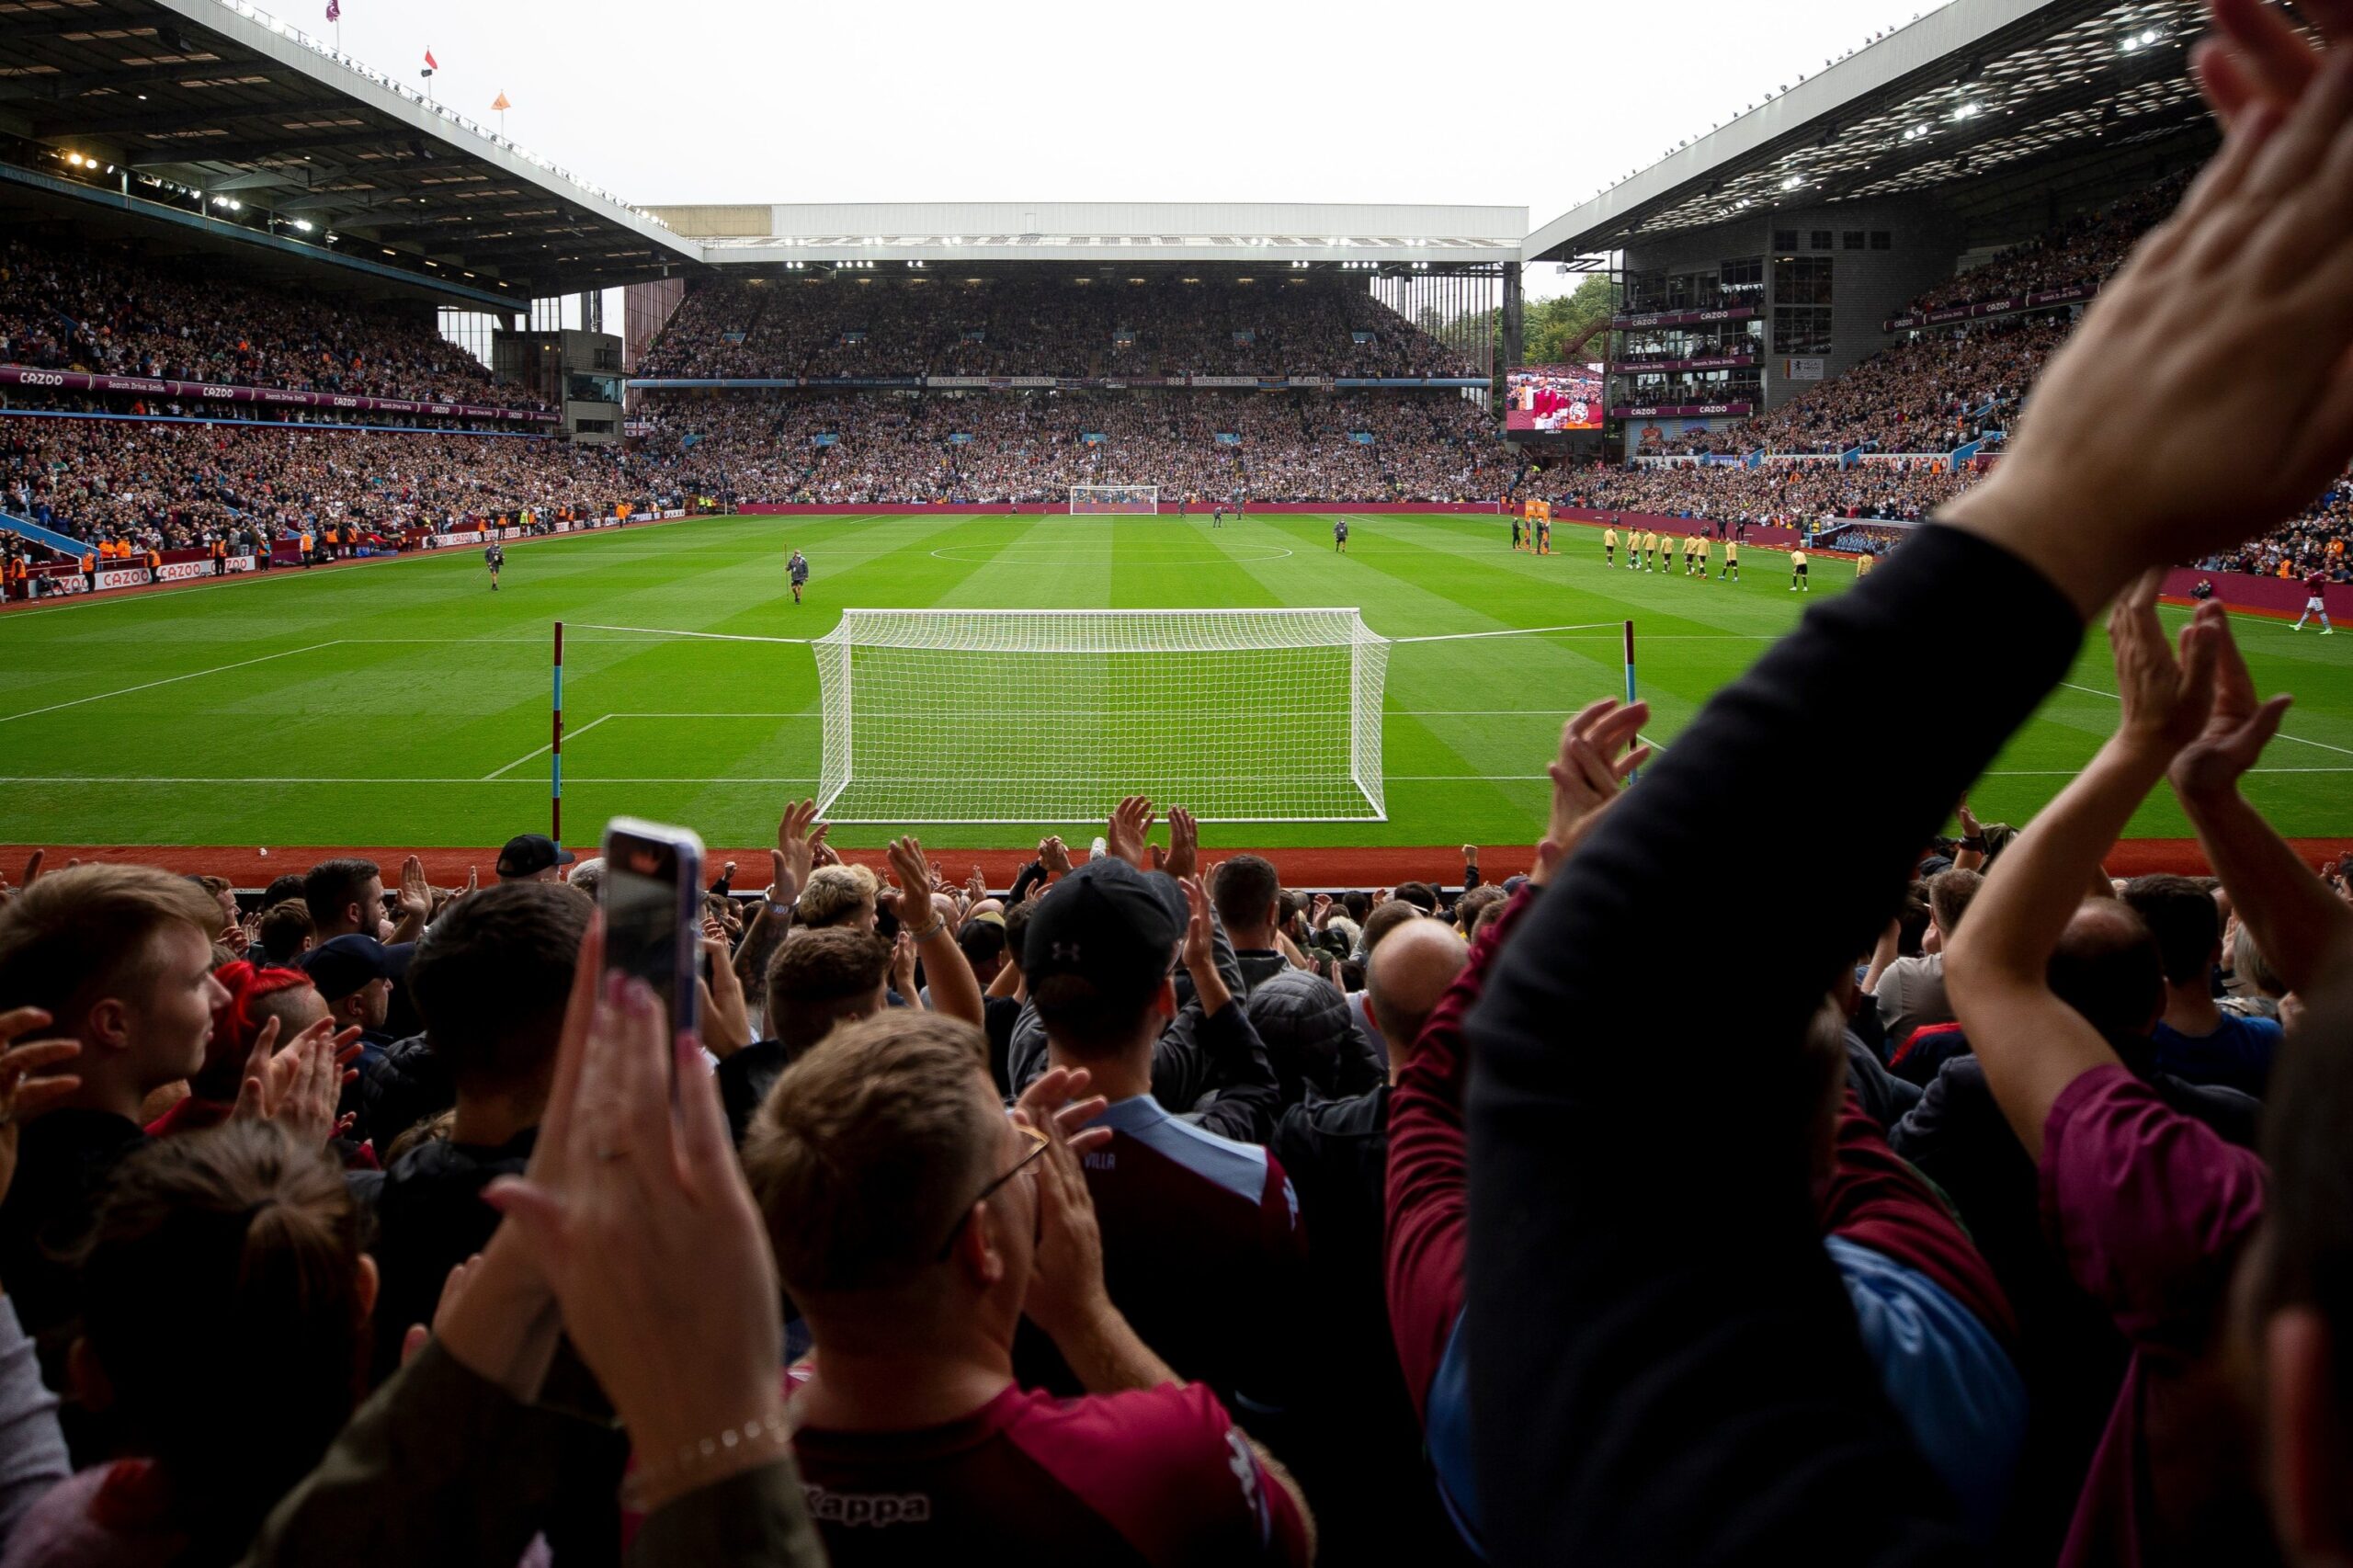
x,y
1551,400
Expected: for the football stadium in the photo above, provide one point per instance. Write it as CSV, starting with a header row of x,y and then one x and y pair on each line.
x,y
578,774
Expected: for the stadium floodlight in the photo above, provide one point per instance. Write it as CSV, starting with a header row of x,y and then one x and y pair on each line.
x,y
1255,715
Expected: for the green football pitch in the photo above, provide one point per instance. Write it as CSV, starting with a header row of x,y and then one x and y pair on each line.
x,y
404,703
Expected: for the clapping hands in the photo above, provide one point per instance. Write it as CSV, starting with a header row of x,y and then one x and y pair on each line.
x,y
1588,774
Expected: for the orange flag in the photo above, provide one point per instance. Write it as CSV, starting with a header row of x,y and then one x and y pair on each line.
x,y
502,106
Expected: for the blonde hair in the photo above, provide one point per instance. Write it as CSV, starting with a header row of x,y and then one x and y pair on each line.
x,y
835,893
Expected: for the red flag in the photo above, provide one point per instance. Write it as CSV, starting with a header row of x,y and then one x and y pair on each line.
x,y
431,64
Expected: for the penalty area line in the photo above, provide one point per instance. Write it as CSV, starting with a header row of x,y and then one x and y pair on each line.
x,y
2324,745
167,680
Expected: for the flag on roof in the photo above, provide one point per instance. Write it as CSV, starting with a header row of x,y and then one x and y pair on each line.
x,y
502,106
335,10
431,64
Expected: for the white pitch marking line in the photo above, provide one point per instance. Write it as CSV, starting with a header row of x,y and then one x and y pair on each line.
x,y
2341,751
519,761
167,680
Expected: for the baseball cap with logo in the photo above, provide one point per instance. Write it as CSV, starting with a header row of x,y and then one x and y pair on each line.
x,y
528,854
1109,923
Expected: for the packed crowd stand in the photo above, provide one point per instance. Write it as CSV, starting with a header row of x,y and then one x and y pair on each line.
x,y
1980,1207
857,327
1030,448
1948,385
68,305
2082,251
161,485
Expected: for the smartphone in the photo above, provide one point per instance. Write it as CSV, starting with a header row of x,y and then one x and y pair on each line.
x,y
652,902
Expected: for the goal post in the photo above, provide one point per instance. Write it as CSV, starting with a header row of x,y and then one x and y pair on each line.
x,y
1047,717
1114,500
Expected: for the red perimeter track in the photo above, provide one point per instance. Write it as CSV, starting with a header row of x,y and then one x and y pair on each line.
x,y
247,866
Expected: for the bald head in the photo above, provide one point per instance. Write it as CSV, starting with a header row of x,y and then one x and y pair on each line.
x,y
2108,968
1407,975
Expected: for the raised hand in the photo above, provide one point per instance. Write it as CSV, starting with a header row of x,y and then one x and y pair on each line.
x,y
415,895
903,967
637,1216
1054,855
1130,823
2238,726
1066,1289
727,1022
797,838
1592,767
976,886
21,1101
299,1087
1183,857
2166,702
912,902
1200,952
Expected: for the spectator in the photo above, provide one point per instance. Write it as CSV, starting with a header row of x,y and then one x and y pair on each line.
x,y
1378,923
283,933
253,999
345,898
2195,1039
1202,1244
911,1293
261,1242
354,976
492,978
1910,992
1361,1461
839,895
818,979
1301,1017
533,858
119,957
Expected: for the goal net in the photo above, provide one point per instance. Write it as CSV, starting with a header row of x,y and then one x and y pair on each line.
x,y
1114,500
1049,717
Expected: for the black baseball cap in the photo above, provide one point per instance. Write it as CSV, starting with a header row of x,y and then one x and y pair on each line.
x,y
1108,922
528,854
342,966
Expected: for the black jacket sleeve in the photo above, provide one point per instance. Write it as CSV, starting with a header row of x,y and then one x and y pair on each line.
x,y
1248,1098
1665,1367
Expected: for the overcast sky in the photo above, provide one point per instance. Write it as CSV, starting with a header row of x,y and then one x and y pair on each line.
x,y
1268,100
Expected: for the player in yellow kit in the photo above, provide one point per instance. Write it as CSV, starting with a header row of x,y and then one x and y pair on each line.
x,y
1732,561
1610,546
1666,553
1863,566
1797,572
1703,558
1650,548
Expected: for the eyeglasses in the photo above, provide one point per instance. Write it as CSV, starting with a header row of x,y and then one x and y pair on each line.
x,y
1037,1147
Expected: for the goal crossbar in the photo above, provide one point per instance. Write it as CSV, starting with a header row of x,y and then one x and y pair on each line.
x,y
1043,716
